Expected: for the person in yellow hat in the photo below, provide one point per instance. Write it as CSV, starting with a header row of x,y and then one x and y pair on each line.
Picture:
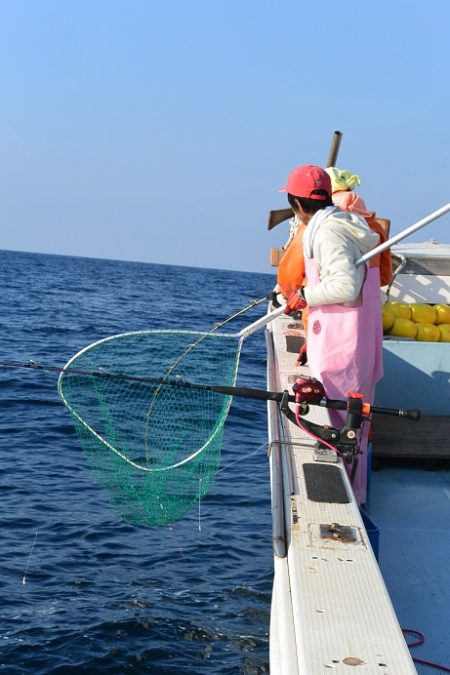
x,y
343,183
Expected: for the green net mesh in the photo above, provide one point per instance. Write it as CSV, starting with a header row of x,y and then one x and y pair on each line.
x,y
155,448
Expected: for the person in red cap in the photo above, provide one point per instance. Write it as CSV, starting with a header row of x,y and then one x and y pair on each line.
x,y
344,324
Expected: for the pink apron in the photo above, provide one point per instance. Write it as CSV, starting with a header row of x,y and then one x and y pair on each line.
x,y
345,352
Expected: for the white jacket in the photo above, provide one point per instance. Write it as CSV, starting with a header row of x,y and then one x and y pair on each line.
x,y
336,239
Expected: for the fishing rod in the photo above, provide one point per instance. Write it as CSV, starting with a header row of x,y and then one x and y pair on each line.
x,y
241,392
251,304
179,382
216,327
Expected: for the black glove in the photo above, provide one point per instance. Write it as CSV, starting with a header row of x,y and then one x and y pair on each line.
x,y
302,358
273,298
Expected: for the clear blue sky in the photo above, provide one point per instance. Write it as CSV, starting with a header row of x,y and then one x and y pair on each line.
x,y
160,130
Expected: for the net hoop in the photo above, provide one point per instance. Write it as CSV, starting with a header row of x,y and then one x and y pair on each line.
x,y
108,445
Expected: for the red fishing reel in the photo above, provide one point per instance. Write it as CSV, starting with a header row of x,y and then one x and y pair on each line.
x,y
308,390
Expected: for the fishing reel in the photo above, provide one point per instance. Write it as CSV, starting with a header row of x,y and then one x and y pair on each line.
x,y
309,391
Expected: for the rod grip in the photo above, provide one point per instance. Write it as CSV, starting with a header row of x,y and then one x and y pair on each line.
x,y
407,414
410,414
398,412
248,392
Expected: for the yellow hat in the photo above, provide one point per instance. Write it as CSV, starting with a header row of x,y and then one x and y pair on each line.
x,y
341,179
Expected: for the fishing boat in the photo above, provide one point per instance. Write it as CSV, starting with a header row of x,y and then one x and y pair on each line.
x,y
355,587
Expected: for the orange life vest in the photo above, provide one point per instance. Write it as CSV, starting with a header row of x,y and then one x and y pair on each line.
x,y
291,268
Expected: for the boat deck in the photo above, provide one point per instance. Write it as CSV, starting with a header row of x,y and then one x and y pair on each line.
x,y
411,507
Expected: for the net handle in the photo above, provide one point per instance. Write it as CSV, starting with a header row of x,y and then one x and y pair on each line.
x,y
268,318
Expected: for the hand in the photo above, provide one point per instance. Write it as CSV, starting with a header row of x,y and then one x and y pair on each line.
x,y
302,357
273,298
294,303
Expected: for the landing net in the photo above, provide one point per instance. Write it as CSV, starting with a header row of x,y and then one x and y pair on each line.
x,y
154,448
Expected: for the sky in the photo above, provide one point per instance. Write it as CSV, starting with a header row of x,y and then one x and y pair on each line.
x,y
161,130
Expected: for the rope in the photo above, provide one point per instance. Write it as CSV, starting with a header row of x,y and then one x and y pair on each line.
x,y
420,641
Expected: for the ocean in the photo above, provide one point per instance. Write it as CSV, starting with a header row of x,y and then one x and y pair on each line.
x,y
83,591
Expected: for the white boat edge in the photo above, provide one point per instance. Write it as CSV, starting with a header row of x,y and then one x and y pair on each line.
x,y
330,605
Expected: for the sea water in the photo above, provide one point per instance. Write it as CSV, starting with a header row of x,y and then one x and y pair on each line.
x,y
81,590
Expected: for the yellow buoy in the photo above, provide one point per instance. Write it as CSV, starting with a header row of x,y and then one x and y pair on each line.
x,y
444,330
388,318
442,314
403,328
427,332
423,313
400,309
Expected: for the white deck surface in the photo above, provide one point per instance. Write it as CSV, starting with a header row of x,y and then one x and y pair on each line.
x,y
330,610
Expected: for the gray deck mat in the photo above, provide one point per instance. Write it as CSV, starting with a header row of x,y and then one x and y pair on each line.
x,y
412,510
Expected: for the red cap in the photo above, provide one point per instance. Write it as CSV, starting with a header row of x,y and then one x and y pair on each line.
x,y
303,180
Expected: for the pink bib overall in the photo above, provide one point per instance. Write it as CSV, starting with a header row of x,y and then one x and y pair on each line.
x,y
345,353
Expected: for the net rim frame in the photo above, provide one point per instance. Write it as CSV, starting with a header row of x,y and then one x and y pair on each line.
x,y
147,332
